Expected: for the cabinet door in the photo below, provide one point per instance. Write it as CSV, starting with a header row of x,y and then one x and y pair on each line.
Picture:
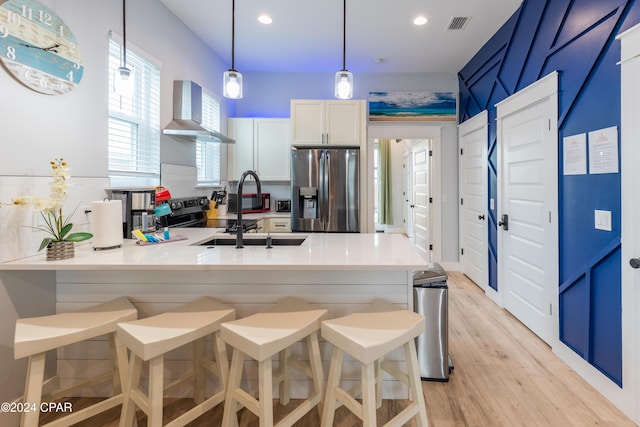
x,y
307,118
240,154
280,225
272,145
343,122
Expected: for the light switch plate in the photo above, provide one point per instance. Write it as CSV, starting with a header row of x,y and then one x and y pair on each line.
x,y
603,220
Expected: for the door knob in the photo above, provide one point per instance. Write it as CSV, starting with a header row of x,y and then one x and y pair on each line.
x,y
412,206
481,217
504,222
634,262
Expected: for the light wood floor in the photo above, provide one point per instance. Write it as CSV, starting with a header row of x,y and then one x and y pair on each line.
x,y
504,376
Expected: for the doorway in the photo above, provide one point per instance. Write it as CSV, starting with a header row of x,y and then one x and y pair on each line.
x,y
405,137
528,206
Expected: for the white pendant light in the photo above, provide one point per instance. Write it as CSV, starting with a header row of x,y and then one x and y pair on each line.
x,y
124,79
232,79
344,78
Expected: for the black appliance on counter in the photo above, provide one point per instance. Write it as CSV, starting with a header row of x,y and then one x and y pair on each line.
x,y
250,203
186,212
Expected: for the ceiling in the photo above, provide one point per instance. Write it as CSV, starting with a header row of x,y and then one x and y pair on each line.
x,y
306,35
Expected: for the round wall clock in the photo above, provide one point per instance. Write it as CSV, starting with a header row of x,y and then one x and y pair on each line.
x,y
38,48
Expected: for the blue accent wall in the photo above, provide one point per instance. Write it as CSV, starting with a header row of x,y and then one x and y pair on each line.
x,y
576,38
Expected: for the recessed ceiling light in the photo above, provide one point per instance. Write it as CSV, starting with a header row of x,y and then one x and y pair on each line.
x,y
265,19
420,20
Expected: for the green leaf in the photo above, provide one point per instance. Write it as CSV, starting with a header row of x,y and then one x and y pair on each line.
x,y
65,230
45,242
78,237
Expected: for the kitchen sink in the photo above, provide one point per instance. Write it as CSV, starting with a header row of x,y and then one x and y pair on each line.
x,y
254,241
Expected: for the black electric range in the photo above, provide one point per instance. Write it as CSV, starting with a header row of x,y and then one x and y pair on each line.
x,y
186,212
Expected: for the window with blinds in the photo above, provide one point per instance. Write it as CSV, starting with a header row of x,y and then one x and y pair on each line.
x,y
208,154
134,123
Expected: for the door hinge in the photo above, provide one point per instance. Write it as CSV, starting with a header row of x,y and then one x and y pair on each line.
x,y
550,310
461,251
549,124
462,201
430,199
430,153
461,151
549,217
430,247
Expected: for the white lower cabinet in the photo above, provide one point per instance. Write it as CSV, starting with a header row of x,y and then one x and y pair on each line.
x,y
279,225
262,145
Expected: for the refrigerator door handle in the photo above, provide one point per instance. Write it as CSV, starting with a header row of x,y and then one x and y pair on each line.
x,y
325,190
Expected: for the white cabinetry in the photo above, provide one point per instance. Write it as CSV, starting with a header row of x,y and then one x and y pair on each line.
x,y
327,122
261,145
278,225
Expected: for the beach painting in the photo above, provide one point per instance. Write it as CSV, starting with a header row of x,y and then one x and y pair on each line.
x,y
413,106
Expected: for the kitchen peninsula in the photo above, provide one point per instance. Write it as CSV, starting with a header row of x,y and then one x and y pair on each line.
x,y
341,272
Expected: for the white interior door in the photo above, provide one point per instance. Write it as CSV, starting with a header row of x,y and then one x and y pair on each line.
x,y
420,196
473,137
630,150
406,189
528,206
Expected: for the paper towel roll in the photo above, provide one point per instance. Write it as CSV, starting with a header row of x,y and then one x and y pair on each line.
x,y
106,224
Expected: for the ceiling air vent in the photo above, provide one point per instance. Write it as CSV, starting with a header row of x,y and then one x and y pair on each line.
x,y
458,23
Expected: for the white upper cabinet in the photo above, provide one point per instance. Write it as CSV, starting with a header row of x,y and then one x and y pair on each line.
x,y
262,145
336,122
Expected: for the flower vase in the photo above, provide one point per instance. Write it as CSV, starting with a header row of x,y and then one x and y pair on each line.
x,y
59,250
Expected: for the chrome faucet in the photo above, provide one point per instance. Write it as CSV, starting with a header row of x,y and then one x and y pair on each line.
x,y
239,228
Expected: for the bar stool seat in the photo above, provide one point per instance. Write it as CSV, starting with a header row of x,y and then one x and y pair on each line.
x,y
262,336
368,336
151,338
35,336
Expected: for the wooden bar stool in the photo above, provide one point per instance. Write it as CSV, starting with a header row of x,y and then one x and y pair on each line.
x,y
149,339
35,336
262,336
368,336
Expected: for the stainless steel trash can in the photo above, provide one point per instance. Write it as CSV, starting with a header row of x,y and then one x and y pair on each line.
x,y
430,298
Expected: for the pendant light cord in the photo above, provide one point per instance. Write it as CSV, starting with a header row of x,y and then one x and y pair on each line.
x,y
124,33
233,34
344,34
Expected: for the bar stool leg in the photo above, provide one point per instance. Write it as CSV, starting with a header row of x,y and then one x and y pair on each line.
x,y
369,398
127,419
33,389
156,390
229,416
265,392
222,362
333,381
415,384
379,374
198,371
285,385
313,351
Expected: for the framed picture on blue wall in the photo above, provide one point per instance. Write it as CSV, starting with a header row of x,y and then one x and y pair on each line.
x,y
412,106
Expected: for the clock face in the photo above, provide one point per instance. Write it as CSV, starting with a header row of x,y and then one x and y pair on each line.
x,y
38,48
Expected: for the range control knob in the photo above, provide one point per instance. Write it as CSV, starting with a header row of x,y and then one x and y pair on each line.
x,y
173,206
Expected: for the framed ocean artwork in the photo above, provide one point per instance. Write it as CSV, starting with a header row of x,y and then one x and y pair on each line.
x,y
412,106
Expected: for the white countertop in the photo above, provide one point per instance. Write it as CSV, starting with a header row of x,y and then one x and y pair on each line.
x,y
320,251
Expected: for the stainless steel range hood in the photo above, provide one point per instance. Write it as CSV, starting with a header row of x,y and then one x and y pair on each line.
x,y
187,115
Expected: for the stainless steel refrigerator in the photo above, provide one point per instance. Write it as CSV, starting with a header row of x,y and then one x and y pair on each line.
x,y
325,189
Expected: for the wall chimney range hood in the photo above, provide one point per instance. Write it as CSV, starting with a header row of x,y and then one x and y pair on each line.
x,y
187,115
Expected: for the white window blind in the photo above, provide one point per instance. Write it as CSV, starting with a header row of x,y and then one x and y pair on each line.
x,y
134,123
208,154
